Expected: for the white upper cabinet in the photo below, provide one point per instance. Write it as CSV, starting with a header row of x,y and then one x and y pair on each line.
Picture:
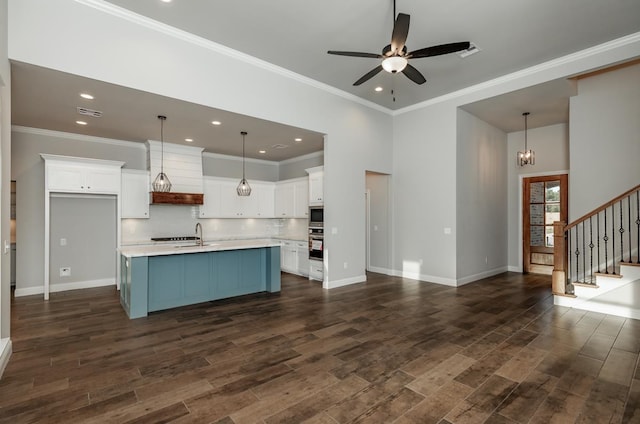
x,y
135,194
316,192
292,199
221,199
82,175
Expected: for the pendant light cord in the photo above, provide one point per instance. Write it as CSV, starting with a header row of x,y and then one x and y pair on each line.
x,y
526,115
243,134
162,119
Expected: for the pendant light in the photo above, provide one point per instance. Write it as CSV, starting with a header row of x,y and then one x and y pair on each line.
x,y
528,156
244,189
161,183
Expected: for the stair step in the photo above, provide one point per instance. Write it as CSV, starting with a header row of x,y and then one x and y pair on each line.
x,y
603,274
565,295
589,285
630,263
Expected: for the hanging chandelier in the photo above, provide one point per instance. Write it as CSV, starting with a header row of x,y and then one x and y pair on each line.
x,y
161,183
244,189
528,156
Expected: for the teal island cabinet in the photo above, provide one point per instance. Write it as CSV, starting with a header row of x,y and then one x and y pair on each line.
x,y
160,277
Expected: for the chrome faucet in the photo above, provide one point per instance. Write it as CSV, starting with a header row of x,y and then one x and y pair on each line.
x,y
201,240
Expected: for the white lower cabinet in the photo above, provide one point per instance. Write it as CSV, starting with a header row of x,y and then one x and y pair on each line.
x,y
316,270
294,257
303,258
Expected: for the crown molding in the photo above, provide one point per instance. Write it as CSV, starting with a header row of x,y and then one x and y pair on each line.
x,y
146,22
79,137
551,64
311,155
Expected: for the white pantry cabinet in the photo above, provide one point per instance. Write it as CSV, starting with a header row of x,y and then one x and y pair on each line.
x,y
135,194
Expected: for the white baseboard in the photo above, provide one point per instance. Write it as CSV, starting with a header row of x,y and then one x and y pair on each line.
x,y
385,271
512,268
5,353
480,276
344,282
28,291
426,278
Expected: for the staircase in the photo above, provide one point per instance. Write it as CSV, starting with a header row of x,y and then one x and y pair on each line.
x,y
597,264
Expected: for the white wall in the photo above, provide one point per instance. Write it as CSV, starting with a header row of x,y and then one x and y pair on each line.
x,y
378,186
481,199
231,167
88,224
295,168
5,174
605,139
551,145
146,58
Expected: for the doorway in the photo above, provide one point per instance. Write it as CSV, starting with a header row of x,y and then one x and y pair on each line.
x,y
377,222
544,202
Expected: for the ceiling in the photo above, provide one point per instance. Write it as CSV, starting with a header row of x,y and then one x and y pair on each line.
x,y
296,35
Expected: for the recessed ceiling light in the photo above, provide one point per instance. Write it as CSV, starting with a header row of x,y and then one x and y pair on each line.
x,y
298,140
262,152
378,89
165,1
216,122
81,123
189,140
86,96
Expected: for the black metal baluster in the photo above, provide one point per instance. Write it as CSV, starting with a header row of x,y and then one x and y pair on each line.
x,y
621,231
598,239
629,223
568,235
591,249
613,239
577,257
606,240
584,257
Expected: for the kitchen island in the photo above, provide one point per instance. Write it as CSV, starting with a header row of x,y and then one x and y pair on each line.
x,y
157,277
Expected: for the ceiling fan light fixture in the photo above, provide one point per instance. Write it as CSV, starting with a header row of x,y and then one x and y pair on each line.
x,y
394,64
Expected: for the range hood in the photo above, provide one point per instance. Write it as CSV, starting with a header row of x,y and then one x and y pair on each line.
x,y
183,166
158,198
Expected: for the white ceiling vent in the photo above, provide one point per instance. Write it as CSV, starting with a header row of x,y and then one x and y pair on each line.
x,y
279,146
473,49
89,112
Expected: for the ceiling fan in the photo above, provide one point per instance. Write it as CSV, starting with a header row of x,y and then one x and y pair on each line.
x,y
395,57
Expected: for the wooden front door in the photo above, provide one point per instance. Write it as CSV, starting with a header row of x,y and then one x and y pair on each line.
x,y
544,201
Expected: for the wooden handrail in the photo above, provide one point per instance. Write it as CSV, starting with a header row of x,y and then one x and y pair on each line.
x,y
601,208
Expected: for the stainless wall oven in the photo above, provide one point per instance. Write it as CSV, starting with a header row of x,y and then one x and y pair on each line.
x,y
316,243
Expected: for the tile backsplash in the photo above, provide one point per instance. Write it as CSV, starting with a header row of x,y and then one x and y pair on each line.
x,y
173,221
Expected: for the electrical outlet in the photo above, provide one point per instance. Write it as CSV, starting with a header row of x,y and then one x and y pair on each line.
x,y
63,242
486,259
346,265
65,271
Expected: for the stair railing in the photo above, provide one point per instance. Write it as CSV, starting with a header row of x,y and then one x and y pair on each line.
x,y
596,243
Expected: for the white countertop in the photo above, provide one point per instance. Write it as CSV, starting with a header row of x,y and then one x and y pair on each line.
x,y
178,248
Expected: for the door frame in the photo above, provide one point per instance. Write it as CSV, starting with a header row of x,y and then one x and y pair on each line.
x,y
524,209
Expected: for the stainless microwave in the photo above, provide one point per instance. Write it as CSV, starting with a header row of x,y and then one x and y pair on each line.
x,y
316,216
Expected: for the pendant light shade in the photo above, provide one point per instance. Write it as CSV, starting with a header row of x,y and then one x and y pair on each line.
x,y
244,189
161,183
528,156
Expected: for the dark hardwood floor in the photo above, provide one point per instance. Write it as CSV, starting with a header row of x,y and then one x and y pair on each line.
x,y
391,350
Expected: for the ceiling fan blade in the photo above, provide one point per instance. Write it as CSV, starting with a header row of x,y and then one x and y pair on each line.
x,y
441,49
414,75
356,54
369,75
400,32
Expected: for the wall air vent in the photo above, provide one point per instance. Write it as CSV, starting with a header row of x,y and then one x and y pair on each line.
x,y
89,112
279,146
